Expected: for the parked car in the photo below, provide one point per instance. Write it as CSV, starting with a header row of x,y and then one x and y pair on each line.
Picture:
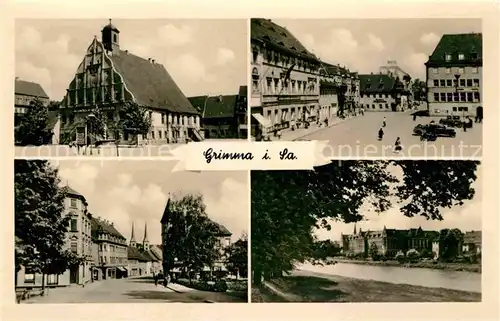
x,y
431,131
421,113
452,121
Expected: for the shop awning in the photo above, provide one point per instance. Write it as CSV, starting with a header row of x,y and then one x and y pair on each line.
x,y
121,268
264,122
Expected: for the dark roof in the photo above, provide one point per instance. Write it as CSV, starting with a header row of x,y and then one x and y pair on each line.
x,y
469,44
472,236
221,230
151,84
220,106
264,30
166,212
29,89
74,193
134,253
376,83
243,91
110,26
333,70
100,226
198,102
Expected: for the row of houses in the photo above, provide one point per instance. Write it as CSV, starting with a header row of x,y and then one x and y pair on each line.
x,y
109,76
388,242
291,84
106,252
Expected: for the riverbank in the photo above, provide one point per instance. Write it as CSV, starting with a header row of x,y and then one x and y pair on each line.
x,y
474,268
306,286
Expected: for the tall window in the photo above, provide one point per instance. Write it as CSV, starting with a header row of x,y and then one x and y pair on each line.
x,y
73,202
461,56
52,279
74,247
29,275
74,225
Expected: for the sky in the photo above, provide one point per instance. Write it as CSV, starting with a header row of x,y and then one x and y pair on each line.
x,y
466,217
204,57
365,45
137,191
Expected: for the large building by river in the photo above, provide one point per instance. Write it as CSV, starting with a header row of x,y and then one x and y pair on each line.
x,y
388,241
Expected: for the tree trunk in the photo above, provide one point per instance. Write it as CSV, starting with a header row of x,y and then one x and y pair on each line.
x,y
43,284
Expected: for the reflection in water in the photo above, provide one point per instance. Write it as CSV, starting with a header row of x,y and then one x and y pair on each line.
x,y
456,280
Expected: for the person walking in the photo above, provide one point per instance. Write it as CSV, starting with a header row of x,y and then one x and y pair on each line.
x,y
384,122
380,133
397,145
155,276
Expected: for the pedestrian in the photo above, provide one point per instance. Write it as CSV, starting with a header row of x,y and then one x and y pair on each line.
x,y
165,281
465,126
384,123
380,133
414,117
156,279
397,145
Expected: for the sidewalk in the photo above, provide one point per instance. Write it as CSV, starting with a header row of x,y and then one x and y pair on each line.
x,y
290,135
53,294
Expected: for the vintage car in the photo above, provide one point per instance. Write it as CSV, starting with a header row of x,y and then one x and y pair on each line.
x,y
434,130
452,121
421,113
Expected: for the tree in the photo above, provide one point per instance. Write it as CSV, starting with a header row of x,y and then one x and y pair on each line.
x,y
400,257
374,251
323,251
237,257
418,89
413,255
34,128
287,206
134,119
40,223
449,241
192,236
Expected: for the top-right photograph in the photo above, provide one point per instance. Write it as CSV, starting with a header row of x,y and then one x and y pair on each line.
x,y
370,87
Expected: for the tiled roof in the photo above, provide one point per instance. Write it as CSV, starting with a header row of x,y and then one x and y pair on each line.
x,y
98,225
29,89
264,30
74,193
469,44
221,230
376,83
472,236
151,84
135,254
220,106
198,102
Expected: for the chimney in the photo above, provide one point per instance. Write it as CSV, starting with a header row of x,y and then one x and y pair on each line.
x,y
17,78
153,61
220,98
126,52
149,59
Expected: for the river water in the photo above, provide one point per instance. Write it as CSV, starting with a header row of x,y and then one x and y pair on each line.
x,y
456,280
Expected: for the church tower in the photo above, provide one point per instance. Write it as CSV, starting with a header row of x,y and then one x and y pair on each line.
x,y
354,229
111,38
145,241
132,237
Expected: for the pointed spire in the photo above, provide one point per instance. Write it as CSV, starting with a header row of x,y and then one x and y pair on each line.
x,y
354,228
132,236
145,233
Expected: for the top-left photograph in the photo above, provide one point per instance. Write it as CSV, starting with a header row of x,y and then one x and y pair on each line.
x,y
119,87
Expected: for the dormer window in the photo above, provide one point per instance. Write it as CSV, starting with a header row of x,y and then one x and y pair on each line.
x,y
461,56
283,34
447,57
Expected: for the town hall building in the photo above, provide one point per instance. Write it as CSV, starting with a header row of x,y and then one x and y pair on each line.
x,y
109,76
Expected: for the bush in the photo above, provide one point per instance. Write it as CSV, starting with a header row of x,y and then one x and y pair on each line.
x,y
383,258
220,285
412,255
400,257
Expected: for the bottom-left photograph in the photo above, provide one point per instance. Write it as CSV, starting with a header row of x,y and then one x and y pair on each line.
x,y
122,231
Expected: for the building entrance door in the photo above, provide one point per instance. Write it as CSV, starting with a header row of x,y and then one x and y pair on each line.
x,y
479,112
73,275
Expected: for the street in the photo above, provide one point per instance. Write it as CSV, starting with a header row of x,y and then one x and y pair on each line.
x,y
357,137
132,290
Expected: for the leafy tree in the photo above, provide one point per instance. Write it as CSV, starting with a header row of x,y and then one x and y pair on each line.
x,y
237,257
323,251
34,128
418,89
426,254
192,236
40,223
96,123
288,206
134,119
449,241
374,251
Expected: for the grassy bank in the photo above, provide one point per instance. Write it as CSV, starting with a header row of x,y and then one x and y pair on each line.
x,y
305,286
475,268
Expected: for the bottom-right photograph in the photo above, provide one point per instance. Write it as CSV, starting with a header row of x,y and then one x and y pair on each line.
x,y
368,231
